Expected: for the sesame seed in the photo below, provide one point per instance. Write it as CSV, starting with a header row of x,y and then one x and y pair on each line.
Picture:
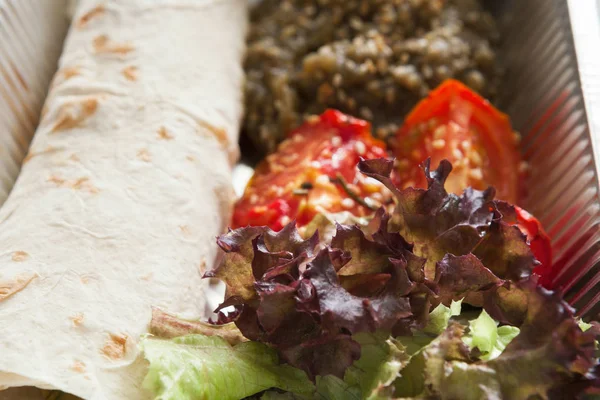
x,y
253,198
353,187
336,141
523,166
337,80
360,148
454,127
322,180
476,174
439,132
284,220
312,119
259,209
466,145
438,144
377,196
457,153
290,158
347,203
475,158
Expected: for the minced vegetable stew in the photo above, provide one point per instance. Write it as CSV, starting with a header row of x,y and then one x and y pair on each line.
x,y
372,58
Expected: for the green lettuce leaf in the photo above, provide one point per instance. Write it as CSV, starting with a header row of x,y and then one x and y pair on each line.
x,y
207,367
584,326
485,335
331,387
440,316
271,395
381,360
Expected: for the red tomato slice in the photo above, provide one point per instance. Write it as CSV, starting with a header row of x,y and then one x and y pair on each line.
x,y
295,181
539,242
456,124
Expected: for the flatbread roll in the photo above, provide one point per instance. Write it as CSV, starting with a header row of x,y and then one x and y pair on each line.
x,y
126,184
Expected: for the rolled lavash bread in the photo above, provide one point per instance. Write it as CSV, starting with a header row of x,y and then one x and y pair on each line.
x,y
125,187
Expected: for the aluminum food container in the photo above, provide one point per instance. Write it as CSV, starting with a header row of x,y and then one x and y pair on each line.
x,y
551,92
551,51
31,37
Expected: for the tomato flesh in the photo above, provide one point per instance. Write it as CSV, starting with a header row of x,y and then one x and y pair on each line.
x,y
456,124
302,178
539,242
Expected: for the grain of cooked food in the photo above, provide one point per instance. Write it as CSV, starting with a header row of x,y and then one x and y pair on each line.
x,y
371,58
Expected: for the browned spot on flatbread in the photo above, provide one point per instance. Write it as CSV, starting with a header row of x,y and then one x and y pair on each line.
x,y
103,45
147,277
143,155
19,256
77,319
28,157
130,73
89,106
164,134
82,183
185,230
9,288
74,157
88,16
115,347
63,75
78,366
219,133
100,41
190,158
73,114
32,153
69,72
56,180
202,266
